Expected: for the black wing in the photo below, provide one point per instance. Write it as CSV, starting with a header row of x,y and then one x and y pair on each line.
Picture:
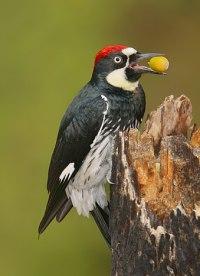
x,y
78,129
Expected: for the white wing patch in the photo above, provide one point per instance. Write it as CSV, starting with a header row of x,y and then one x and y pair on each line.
x,y
67,172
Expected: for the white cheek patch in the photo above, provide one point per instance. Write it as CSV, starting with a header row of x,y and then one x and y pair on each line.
x,y
118,79
129,51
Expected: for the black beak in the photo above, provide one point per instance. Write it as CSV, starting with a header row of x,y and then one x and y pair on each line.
x,y
141,68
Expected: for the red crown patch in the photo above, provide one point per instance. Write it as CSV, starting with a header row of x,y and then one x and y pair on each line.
x,y
108,50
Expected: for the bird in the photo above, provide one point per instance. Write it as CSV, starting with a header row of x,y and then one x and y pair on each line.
x,y
112,101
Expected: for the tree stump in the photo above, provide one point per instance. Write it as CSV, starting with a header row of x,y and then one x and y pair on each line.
x,y
155,201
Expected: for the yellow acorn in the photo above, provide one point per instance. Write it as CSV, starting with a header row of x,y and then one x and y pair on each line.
x,y
159,64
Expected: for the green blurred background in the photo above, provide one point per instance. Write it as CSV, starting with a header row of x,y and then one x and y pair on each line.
x,y
46,55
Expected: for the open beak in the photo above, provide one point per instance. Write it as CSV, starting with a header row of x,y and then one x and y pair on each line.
x,y
141,68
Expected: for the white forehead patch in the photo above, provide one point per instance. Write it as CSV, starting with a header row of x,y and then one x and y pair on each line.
x,y
129,51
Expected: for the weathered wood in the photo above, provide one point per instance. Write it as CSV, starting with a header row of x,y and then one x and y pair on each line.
x,y
155,203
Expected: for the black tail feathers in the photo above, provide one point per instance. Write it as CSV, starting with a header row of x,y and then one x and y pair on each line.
x,y
101,217
61,209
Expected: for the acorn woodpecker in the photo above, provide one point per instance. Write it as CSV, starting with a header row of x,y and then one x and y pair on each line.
x,y
112,101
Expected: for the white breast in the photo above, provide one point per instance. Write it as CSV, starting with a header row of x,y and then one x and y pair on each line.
x,y
87,187
95,166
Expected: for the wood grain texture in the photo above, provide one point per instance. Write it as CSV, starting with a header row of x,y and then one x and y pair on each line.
x,y
155,202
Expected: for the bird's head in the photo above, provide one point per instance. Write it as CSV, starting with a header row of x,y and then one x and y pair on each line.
x,y
119,66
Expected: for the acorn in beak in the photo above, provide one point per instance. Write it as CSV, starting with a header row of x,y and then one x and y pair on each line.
x,y
157,63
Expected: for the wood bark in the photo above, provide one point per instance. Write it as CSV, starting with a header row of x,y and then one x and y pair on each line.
x,y
155,201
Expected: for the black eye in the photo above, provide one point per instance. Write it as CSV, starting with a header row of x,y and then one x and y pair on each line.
x,y
117,59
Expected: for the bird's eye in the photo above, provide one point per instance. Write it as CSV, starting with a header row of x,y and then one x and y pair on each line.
x,y
117,59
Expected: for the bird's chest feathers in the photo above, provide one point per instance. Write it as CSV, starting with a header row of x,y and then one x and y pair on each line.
x,y
96,164
123,113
